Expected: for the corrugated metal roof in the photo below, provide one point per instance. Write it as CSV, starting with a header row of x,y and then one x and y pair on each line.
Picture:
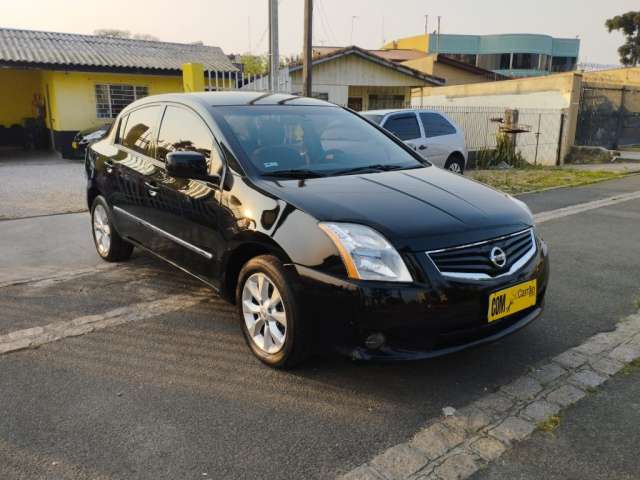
x,y
70,49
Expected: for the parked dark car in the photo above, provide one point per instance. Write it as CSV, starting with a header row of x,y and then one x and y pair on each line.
x,y
84,137
324,229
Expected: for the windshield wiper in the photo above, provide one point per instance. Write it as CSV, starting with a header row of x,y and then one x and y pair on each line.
x,y
294,173
373,168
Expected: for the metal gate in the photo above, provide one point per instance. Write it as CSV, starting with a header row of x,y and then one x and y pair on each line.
x,y
608,117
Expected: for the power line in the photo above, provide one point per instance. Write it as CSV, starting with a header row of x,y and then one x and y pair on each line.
x,y
266,29
326,25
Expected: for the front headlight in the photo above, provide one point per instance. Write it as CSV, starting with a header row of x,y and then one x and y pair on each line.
x,y
366,254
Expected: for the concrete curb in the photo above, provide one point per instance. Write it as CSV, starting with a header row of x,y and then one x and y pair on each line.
x,y
457,445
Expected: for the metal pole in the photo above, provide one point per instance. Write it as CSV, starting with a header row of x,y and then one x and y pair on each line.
x,y
426,24
559,158
620,123
535,158
307,89
274,54
438,37
270,43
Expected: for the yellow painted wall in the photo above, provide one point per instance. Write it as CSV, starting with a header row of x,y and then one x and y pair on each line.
x,y
627,76
193,77
19,95
69,98
562,82
417,42
73,98
453,75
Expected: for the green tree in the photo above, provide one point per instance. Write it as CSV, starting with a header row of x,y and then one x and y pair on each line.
x,y
112,32
145,36
290,60
115,33
629,24
254,64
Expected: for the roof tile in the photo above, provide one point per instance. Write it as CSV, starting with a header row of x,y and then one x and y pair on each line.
x,y
70,49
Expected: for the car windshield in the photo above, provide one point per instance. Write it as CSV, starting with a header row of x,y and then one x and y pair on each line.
x,y
312,141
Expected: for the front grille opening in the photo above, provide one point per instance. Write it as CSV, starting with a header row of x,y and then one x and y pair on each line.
x,y
476,259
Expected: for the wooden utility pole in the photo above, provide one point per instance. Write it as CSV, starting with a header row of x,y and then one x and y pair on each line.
x,y
307,50
274,51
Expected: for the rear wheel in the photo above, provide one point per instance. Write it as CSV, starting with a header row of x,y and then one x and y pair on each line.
x,y
109,245
455,163
269,313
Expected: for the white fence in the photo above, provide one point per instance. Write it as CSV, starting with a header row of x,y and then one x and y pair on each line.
x,y
539,145
221,81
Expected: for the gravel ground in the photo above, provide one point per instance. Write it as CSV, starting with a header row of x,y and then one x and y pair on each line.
x,y
39,183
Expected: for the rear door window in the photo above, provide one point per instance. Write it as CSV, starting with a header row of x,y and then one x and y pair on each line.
x,y
139,130
405,126
436,125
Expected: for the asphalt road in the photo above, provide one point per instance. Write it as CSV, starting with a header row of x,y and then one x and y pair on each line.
x,y
179,396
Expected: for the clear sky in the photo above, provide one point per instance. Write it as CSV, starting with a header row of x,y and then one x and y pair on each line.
x,y
240,25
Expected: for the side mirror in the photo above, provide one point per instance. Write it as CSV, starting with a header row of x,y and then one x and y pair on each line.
x,y
187,164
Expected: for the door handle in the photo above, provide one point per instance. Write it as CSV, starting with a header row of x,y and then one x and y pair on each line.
x,y
422,147
152,188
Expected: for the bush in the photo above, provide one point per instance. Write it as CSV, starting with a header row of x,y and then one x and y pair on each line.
x,y
505,152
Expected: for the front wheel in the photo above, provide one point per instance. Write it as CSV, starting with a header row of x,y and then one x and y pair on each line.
x,y
455,163
109,245
269,313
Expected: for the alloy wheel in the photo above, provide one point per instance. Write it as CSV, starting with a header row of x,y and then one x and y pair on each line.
x,y
101,230
455,167
264,313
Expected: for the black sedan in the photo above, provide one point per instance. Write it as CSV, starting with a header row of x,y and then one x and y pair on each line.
x,y
321,227
84,137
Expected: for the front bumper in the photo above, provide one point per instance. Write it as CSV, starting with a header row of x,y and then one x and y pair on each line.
x,y
430,317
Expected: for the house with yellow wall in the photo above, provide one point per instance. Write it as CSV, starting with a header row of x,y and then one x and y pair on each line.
x,y
53,85
452,71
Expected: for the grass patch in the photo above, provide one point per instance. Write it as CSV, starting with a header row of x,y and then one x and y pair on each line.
x,y
629,368
631,148
516,181
638,302
550,424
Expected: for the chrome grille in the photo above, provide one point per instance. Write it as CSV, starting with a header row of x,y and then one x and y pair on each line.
x,y
474,261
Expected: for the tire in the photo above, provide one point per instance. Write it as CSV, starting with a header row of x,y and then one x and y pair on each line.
x,y
285,347
455,163
115,249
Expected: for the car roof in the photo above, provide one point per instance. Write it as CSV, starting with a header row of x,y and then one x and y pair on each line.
x,y
235,98
399,110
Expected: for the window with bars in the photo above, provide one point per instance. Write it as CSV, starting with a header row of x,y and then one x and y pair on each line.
x,y
111,99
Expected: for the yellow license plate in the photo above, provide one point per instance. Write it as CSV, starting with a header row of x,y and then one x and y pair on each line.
x,y
74,145
512,300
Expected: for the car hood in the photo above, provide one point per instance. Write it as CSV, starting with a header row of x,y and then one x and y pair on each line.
x,y
420,209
